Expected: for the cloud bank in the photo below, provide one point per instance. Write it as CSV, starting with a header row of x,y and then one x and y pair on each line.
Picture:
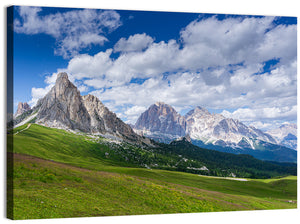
x,y
137,42
73,30
245,66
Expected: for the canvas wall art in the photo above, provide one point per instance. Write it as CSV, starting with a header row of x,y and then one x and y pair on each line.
x,y
123,112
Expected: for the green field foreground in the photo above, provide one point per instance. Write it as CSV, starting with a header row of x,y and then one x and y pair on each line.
x,y
56,175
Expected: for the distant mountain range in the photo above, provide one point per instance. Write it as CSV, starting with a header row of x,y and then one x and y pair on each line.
x,y
163,123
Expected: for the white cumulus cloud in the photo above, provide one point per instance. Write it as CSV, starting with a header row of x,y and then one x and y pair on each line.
x,y
38,93
276,113
137,42
218,64
73,30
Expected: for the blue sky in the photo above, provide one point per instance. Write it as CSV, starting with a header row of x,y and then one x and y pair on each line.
x,y
244,67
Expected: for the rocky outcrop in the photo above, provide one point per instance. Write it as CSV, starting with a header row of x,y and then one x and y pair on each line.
x,y
163,123
161,118
216,129
103,120
22,107
64,107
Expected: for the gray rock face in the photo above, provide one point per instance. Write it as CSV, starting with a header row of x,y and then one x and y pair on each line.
x,y
94,108
216,129
200,111
103,120
64,107
22,107
162,118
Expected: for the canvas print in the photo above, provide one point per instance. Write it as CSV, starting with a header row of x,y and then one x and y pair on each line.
x,y
119,112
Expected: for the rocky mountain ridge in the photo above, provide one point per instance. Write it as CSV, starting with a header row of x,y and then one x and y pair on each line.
x,y
64,107
162,119
200,125
216,129
22,107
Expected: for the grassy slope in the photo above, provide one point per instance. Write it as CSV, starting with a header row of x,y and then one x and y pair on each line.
x,y
45,189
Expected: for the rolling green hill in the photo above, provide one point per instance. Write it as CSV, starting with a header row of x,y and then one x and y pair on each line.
x,y
61,174
92,152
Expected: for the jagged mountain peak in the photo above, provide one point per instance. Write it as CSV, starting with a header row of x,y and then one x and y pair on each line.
x,y
161,118
62,83
64,107
62,76
22,107
215,128
201,109
159,103
197,111
163,107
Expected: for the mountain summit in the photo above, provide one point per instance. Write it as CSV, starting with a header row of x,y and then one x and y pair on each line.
x,y
200,111
64,107
216,129
22,107
162,119
162,122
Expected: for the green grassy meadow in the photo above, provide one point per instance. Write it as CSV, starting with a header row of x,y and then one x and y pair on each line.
x,y
59,174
